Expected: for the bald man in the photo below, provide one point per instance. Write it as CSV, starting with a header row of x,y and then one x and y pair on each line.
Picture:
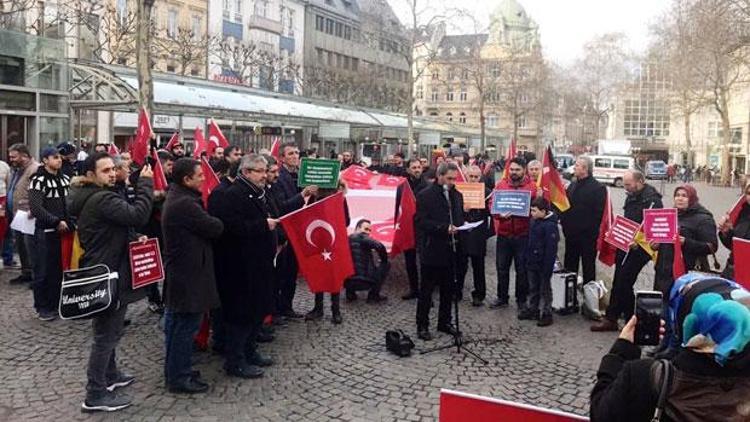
x,y
640,196
474,244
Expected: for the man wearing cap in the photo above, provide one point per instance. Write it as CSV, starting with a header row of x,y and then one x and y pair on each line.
x,y
178,150
69,161
48,188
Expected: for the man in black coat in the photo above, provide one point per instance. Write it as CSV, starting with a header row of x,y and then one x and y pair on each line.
x,y
640,196
190,285
581,221
367,275
290,198
440,209
249,244
416,183
474,244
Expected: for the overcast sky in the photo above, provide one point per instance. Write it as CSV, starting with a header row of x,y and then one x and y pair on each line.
x,y
565,25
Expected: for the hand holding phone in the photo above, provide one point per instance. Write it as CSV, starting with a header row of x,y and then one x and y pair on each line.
x,y
648,311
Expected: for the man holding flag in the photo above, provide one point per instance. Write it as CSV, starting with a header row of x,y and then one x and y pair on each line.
x,y
640,196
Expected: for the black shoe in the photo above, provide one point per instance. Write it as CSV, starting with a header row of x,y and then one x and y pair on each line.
x,y
11,265
449,329
545,320
314,315
291,314
477,302
198,380
190,386
46,315
424,334
122,380
246,371
336,318
497,304
20,279
156,308
258,359
376,298
264,337
528,315
109,402
410,296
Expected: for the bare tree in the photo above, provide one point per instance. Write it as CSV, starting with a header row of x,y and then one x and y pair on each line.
x,y
184,48
13,13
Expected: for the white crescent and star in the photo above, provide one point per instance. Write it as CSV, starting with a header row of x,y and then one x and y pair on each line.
x,y
317,223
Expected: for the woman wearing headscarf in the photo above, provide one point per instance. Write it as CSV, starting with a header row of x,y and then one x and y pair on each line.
x,y
739,228
708,379
697,238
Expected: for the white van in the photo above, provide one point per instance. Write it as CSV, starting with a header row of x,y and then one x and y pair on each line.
x,y
612,168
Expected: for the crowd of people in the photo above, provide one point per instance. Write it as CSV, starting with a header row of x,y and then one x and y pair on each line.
x,y
228,260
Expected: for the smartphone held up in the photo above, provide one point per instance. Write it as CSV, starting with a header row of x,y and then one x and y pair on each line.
x,y
648,311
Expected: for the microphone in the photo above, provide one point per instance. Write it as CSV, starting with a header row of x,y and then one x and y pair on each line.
x,y
445,192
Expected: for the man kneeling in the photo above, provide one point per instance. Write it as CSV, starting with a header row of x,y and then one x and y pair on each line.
x,y
367,276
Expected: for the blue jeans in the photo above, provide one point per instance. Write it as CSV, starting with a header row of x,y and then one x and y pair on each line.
x,y
8,246
511,249
179,330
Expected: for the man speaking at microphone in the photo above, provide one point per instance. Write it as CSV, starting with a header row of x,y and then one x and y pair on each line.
x,y
439,213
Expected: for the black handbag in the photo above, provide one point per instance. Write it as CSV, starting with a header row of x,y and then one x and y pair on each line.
x,y
398,343
87,291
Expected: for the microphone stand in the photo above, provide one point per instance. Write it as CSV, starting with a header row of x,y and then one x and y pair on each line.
x,y
458,340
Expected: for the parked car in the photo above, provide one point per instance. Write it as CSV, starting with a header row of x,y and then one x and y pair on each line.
x,y
656,169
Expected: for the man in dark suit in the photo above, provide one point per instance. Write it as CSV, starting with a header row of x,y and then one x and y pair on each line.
x,y
440,209
474,244
416,183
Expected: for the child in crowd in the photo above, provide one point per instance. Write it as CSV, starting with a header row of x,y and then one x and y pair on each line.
x,y
540,257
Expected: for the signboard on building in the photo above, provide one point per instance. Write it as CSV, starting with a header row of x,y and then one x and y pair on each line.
x,y
334,130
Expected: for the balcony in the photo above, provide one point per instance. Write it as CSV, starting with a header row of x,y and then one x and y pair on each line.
x,y
265,24
286,43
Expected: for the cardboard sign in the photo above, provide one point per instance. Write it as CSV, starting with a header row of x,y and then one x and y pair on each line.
x,y
473,195
660,225
741,252
145,263
456,406
320,172
622,233
512,202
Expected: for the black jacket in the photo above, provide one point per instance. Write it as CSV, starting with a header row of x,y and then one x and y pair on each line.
x,y
362,246
190,284
624,388
286,192
697,225
416,185
47,198
106,223
433,220
244,270
741,230
541,251
584,216
474,241
635,203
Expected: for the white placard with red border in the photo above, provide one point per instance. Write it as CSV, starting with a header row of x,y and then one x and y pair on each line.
x,y
660,225
622,233
145,263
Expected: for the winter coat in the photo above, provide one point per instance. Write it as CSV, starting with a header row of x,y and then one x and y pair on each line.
x,y
740,230
433,219
474,241
105,228
47,197
188,232
20,186
514,226
244,252
624,389
582,219
362,246
286,192
541,250
697,225
635,203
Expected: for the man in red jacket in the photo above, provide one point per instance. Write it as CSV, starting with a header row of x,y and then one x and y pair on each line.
x,y
512,237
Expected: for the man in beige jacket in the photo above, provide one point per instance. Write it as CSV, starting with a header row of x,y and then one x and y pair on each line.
x,y
24,166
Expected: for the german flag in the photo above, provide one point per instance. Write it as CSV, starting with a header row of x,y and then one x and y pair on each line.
x,y
551,183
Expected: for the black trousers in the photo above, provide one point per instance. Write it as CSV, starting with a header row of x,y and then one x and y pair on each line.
x,y
431,277
286,271
48,281
410,256
477,268
581,250
622,299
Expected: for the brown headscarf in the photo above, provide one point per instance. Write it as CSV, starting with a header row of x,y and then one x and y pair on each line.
x,y
692,194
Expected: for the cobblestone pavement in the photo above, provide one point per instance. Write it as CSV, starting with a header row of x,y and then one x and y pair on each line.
x,y
323,372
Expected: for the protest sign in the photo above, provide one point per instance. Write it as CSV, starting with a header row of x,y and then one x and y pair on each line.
x,y
456,406
622,233
660,225
320,172
473,195
511,202
145,263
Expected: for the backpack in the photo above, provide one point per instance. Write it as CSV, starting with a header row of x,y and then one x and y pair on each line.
x,y
398,343
688,397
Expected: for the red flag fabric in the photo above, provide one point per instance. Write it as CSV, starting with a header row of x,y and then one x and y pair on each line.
x,y
404,237
456,406
211,182
319,238
509,156
388,181
200,143
678,263
356,177
172,141
160,179
142,138
734,213
741,253
275,147
129,146
201,337
607,252
113,150
551,183
215,138
66,249
460,177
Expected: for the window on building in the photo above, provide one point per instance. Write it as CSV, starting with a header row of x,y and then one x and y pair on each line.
x,y
355,64
433,113
524,98
339,60
320,23
714,130
449,95
321,57
172,23
339,29
261,8
449,116
492,120
435,95
330,59
347,32
464,74
462,118
451,74
521,122
464,95
197,27
435,75
170,68
290,22
238,10
122,11
495,70
346,62
329,26
420,92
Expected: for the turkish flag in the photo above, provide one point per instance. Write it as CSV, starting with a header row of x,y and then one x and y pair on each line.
x,y
456,406
200,143
388,181
551,183
356,177
172,141
210,183
160,179
734,213
404,237
215,138
607,252
377,205
741,254
509,156
142,138
275,147
113,150
319,238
